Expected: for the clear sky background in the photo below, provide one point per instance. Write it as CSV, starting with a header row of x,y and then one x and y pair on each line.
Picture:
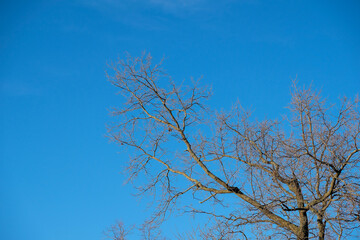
x,y
59,175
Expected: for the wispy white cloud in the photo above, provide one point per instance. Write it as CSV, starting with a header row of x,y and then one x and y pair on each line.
x,y
195,5
129,12
178,4
17,89
153,14
169,6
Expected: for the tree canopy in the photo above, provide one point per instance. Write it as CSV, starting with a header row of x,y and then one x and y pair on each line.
x,y
294,178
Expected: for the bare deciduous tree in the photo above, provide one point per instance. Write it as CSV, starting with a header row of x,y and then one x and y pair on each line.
x,y
117,231
147,231
297,178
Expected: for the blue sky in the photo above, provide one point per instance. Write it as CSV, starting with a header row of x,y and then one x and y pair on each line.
x,y
60,177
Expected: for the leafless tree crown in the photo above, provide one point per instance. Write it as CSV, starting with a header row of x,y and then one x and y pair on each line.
x,y
293,179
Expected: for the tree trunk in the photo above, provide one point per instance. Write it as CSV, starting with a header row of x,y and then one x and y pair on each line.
x,y
321,226
303,233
